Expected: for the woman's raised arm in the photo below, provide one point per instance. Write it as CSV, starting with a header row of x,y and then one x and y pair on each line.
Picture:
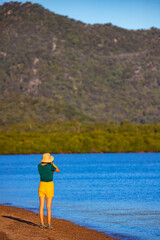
x,y
57,169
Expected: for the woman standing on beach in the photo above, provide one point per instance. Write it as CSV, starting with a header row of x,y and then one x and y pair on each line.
x,y
46,186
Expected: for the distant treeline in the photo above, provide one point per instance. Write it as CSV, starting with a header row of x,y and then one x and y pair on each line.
x,y
80,138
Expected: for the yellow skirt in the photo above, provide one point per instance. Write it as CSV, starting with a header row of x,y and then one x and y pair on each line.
x,y
46,189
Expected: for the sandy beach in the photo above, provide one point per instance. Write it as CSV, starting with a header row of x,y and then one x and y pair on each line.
x,y
20,224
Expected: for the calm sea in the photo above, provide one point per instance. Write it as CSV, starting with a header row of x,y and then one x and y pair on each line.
x,y
118,194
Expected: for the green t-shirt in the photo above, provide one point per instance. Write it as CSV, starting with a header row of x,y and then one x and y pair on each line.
x,y
46,172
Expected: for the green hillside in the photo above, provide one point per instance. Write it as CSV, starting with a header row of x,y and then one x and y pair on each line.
x,y
55,68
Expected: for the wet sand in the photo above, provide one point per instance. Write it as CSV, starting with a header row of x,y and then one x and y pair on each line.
x,y
20,224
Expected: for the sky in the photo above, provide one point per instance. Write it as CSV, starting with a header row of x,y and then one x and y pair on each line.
x,y
128,14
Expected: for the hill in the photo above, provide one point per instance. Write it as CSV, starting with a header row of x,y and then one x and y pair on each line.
x,y
56,68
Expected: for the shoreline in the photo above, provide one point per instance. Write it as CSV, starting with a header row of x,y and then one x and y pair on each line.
x,y
19,223
65,153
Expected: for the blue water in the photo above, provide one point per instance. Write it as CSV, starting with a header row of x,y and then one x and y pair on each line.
x,y
118,194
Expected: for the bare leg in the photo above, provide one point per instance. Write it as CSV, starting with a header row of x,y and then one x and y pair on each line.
x,y
49,203
42,202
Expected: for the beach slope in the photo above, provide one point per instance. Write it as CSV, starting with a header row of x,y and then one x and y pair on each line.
x,y
20,224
